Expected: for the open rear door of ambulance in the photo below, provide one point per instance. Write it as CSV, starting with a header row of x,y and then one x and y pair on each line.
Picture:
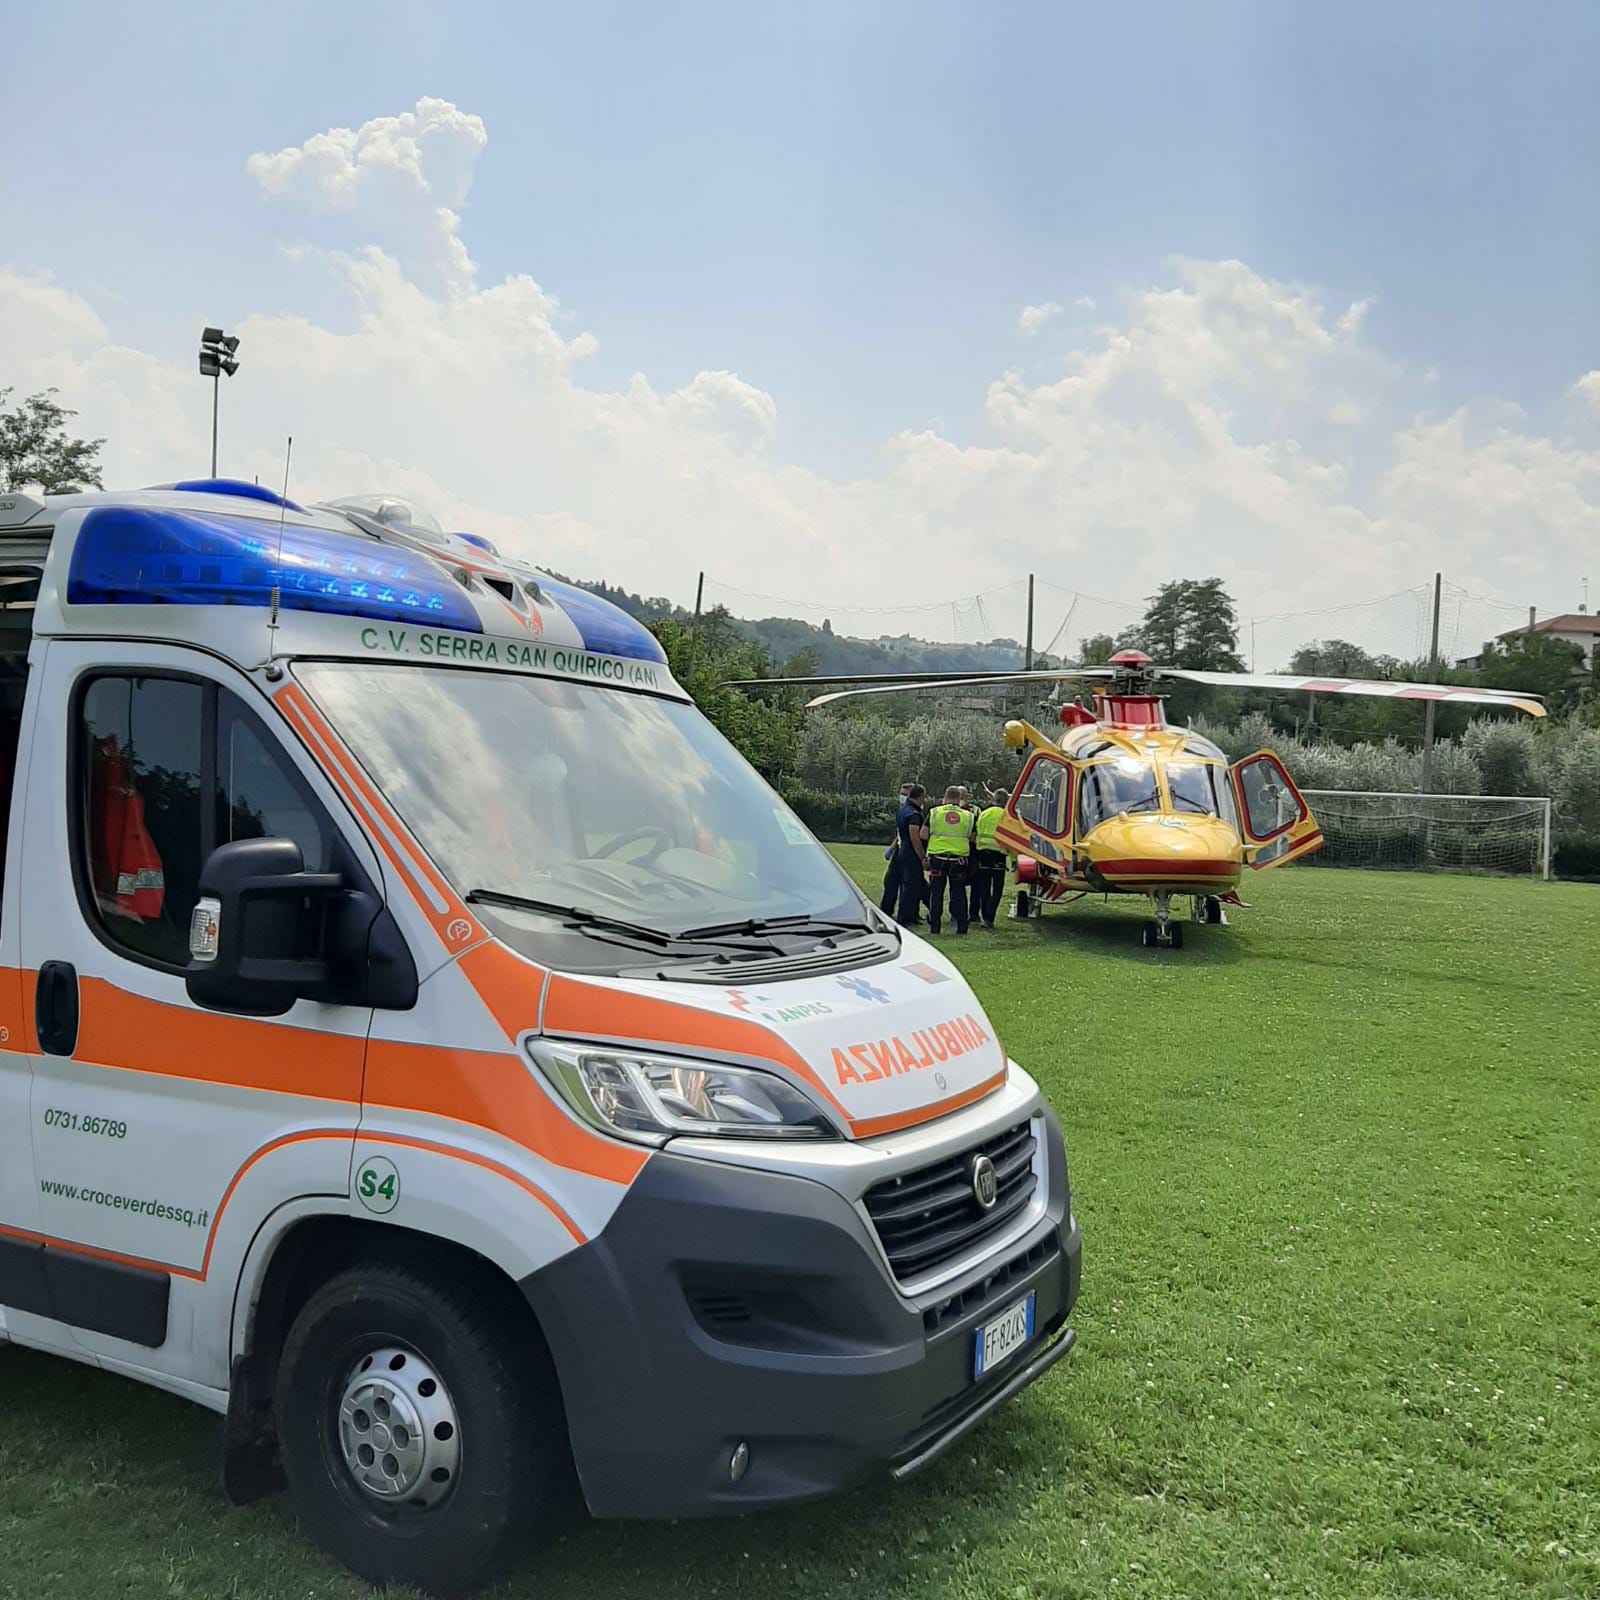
x,y
1277,823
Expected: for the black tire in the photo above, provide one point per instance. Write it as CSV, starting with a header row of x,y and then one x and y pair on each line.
x,y
1176,930
1147,935
511,1439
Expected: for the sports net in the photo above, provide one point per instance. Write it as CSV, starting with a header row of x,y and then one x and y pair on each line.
x,y
1453,832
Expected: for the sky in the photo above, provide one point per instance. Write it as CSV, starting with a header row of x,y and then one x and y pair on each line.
x,y
852,305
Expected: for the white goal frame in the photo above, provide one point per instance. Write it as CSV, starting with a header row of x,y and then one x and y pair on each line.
x,y
1443,802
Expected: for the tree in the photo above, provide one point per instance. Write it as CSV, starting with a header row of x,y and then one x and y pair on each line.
x,y
35,448
1336,658
1536,663
1190,622
1096,650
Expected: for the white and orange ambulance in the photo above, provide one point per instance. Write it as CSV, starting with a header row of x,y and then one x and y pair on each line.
x,y
424,1040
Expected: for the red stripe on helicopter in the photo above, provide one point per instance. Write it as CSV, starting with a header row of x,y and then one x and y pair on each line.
x,y
1169,869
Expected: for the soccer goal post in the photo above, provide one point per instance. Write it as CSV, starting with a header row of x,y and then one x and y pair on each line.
x,y
1451,832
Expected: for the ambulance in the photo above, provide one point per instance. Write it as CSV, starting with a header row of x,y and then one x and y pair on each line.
x,y
427,1043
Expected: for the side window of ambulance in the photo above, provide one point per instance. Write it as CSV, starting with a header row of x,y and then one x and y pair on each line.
x,y
168,768
141,744
258,796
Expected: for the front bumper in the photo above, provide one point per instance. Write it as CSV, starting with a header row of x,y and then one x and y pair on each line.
x,y
726,1306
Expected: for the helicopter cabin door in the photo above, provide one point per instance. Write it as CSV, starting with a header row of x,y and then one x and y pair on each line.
x,y
1038,817
1277,822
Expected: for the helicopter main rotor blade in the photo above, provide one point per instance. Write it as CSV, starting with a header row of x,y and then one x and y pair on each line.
x,y
916,680
883,683
1382,688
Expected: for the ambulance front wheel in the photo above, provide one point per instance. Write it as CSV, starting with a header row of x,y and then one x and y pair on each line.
x,y
418,1446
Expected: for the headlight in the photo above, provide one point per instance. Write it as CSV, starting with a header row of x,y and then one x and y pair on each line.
x,y
652,1098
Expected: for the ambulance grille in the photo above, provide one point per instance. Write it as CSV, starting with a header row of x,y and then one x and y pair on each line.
x,y
930,1217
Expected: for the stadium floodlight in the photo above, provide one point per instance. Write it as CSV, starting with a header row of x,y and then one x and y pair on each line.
x,y
217,356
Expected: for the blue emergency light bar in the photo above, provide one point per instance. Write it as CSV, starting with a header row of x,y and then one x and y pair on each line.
x,y
137,556
606,628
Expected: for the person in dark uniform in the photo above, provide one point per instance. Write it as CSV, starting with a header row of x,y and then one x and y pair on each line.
x,y
911,843
891,874
989,865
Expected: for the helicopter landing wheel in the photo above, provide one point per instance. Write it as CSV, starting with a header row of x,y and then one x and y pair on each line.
x,y
1208,908
1022,906
1153,936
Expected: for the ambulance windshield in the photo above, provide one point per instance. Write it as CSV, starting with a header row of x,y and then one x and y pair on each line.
x,y
577,795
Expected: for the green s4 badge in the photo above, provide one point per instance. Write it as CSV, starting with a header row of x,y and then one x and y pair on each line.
x,y
378,1184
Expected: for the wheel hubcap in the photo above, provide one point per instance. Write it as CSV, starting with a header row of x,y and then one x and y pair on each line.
x,y
399,1433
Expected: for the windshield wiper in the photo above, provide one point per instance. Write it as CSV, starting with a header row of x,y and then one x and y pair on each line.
x,y
758,925
596,922
578,916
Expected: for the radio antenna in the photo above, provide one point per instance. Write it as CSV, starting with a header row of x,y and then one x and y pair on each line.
x,y
277,564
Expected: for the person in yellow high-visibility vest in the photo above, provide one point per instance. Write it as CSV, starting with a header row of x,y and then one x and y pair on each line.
x,y
989,875
949,830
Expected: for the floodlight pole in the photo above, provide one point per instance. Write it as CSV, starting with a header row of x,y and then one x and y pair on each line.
x,y
218,356
1427,720
1027,653
694,627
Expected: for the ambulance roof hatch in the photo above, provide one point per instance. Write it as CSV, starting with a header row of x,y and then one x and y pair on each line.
x,y
234,486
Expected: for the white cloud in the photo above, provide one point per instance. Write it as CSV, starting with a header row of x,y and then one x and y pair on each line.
x,y
405,177
1350,322
1218,423
1033,318
1587,388
1085,302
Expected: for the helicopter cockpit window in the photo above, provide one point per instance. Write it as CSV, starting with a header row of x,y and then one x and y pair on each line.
x,y
1201,789
1115,788
1269,802
1194,745
1042,802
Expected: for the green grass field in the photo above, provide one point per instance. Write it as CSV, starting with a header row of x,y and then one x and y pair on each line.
x,y
1337,1172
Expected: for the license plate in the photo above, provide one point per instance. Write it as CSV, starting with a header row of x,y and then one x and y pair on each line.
x,y
1002,1335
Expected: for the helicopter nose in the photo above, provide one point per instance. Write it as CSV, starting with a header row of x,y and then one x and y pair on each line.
x,y
1179,852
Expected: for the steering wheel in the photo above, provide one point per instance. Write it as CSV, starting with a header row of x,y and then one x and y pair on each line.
x,y
651,830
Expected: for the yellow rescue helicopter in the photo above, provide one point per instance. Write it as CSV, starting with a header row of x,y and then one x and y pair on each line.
x,y
1122,803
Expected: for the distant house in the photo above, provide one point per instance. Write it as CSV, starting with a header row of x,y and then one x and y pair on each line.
x,y
1581,628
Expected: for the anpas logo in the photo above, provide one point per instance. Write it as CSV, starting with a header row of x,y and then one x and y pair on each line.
x,y
887,1058
768,1010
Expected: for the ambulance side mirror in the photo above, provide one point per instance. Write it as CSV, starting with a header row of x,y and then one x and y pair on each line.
x,y
265,933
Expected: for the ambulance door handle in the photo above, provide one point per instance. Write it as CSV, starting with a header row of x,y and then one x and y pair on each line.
x,y
55,1008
